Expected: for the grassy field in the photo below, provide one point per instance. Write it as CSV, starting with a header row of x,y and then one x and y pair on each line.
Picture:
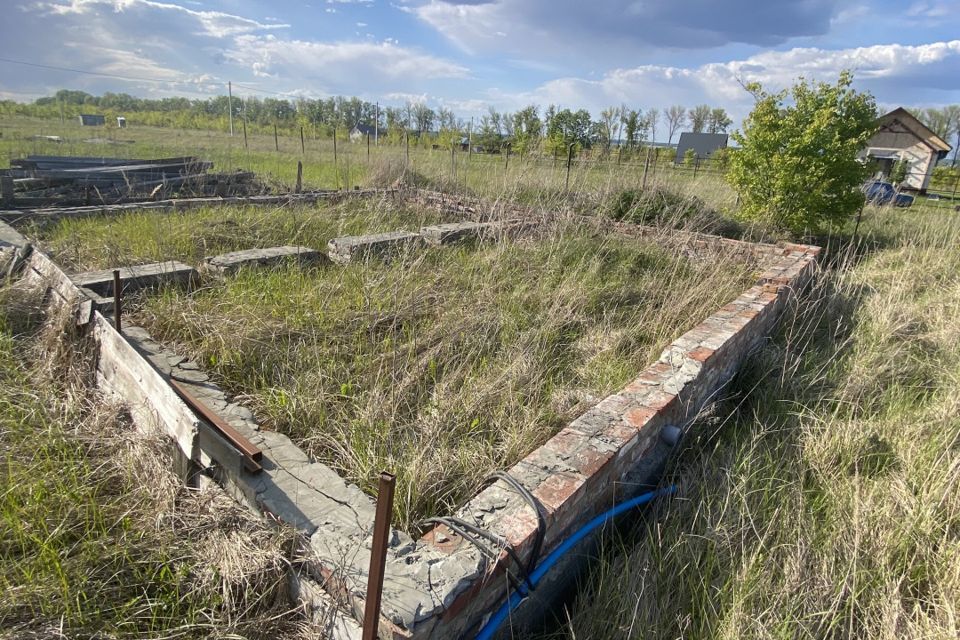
x,y
442,366
445,364
136,238
97,537
533,180
822,500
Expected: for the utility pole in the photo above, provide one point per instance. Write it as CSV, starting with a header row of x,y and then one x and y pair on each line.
x,y
230,104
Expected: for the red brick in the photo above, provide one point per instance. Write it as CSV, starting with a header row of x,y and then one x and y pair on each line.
x,y
518,528
558,489
655,373
622,434
640,416
701,354
770,287
660,400
588,461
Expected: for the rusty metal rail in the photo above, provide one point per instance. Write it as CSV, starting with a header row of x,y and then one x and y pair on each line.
x,y
250,452
117,300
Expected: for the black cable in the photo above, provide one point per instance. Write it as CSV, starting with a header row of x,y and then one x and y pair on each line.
x,y
500,541
459,527
535,505
467,530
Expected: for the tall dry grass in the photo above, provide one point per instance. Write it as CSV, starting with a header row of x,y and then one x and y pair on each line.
x,y
98,538
825,503
445,364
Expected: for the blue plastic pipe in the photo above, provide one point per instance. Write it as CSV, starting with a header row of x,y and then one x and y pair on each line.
x,y
489,629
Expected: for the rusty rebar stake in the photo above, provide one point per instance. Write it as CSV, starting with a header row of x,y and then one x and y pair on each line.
x,y
117,295
378,555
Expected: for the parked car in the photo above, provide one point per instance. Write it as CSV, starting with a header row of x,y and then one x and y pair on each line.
x,y
879,192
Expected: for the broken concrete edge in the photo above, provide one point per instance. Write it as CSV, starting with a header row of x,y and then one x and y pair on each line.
x,y
580,471
52,214
11,238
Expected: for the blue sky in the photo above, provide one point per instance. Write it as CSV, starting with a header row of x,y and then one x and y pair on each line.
x,y
471,54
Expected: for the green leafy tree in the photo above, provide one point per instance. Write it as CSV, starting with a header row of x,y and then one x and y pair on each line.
x,y
721,158
718,121
631,126
526,129
567,128
797,167
689,157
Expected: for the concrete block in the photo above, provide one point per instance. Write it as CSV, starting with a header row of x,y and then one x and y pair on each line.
x,y
452,232
230,262
136,278
381,245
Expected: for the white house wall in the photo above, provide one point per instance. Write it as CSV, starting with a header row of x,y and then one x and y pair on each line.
x,y
899,140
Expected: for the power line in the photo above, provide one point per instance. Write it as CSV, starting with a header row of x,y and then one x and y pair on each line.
x,y
129,78
94,73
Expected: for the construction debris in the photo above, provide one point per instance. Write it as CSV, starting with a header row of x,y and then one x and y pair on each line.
x,y
67,180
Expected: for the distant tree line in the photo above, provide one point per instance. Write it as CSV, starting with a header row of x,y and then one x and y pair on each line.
x,y
551,131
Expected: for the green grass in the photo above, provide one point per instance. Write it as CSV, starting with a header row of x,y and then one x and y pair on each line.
x,y
823,501
446,364
135,238
820,501
531,180
97,539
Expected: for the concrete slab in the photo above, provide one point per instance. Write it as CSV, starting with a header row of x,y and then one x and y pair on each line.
x,y
230,262
347,249
457,232
136,278
10,237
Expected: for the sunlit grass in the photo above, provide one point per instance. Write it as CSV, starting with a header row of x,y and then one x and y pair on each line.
x,y
825,504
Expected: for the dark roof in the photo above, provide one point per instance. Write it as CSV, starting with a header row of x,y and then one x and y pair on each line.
x,y
703,144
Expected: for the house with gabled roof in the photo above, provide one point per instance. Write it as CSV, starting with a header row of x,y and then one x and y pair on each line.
x,y
900,135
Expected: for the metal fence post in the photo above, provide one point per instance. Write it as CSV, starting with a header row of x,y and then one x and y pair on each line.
x,y
378,555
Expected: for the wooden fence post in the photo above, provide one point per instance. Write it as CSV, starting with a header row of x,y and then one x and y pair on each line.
x,y
276,139
646,165
569,162
303,147
299,177
336,170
